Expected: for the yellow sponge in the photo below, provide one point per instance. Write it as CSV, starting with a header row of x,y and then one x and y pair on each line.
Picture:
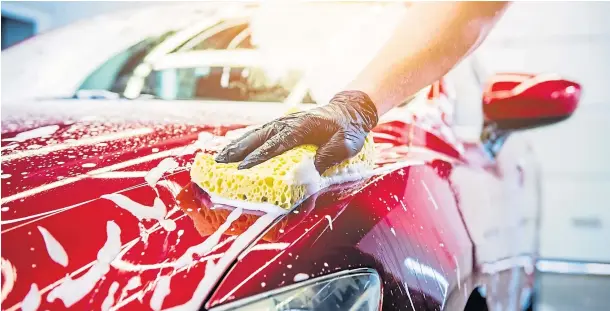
x,y
283,181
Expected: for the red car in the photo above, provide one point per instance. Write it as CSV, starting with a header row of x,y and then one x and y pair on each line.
x,y
98,211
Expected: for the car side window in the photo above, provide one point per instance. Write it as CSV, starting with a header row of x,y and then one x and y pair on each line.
x,y
247,84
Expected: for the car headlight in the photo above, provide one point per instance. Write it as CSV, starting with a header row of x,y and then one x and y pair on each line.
x,y
350,290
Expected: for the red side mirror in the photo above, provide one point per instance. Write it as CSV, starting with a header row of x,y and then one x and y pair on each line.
x,y
519,101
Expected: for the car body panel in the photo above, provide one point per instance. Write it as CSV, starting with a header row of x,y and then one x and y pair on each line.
x,y
427,260
436,220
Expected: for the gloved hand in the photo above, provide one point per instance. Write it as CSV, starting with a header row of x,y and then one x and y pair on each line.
x,y
339,129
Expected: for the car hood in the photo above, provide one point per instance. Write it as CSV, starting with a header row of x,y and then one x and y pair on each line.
x,y
89,207
98,209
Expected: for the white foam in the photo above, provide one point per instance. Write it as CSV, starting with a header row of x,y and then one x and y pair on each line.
x,y
133,283
109,300
40,132
207,245
214,271
143,233
55,250
9,275
31,302
70,291
161,291
330,221
300,277
267,208
156,173
143,212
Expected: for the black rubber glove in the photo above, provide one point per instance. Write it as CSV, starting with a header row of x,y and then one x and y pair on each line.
x,y
339,129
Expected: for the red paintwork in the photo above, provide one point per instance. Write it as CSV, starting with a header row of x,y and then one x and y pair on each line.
x,y
522,96
406,223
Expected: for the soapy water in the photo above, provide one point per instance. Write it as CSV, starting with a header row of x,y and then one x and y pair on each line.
x,y
142,212
54,248
71,291
9,275
31,302
161,291
109,300
40,132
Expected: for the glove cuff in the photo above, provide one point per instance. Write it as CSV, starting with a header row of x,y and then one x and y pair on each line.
x,y
361,104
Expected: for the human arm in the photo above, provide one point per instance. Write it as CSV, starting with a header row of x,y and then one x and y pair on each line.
x,y
426,44
431,39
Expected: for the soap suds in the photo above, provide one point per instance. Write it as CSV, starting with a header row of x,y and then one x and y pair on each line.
x,y
161,291
55,250
9,275
40,132
156,173
70,291
207,245
301,277
133,283
214,271
143,234
409,296
109,300
31,302
143,212
267,208
330,221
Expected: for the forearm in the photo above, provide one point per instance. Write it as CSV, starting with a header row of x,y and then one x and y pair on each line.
x,y
430,41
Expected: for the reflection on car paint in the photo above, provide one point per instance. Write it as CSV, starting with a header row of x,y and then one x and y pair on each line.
x,y
321,226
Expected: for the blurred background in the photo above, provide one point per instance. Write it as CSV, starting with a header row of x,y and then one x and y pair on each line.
x,y
570,38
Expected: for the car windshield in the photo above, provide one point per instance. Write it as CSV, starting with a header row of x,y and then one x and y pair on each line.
x,y
114,74
219,75
218,83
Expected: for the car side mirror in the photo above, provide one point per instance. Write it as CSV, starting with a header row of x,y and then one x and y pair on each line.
x,y
522,101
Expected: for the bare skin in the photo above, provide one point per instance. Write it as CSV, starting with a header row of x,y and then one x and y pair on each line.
x,y
431,39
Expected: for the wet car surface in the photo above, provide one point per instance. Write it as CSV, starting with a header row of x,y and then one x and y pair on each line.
x,y
99,211
93,184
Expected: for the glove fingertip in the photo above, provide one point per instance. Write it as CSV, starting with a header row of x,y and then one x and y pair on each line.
x,y
321,163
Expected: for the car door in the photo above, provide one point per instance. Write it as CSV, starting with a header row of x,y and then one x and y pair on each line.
x,y
498,194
